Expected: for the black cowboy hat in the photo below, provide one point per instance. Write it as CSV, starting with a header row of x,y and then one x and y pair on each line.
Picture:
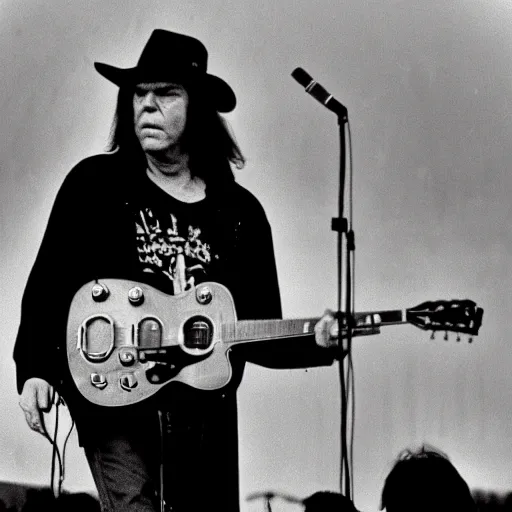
x,y
169,56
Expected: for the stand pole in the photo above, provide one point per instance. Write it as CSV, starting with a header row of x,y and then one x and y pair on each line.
x,y
340,225
162,461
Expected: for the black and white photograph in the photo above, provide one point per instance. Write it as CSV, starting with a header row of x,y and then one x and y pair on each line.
x,y
255,255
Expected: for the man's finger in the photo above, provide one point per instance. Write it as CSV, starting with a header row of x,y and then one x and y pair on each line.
x,y
43,394
35,397
28,401
327,330
35,422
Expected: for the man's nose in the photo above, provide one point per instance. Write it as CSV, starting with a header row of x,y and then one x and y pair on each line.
x,y
149,100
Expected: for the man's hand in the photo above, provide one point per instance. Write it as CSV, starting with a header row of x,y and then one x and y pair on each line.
x,y
326,330
36,398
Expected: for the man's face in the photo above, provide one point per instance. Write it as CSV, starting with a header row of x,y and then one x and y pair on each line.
x,y
160,114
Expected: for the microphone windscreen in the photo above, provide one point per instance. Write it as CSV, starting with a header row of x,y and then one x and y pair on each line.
x,y
302,77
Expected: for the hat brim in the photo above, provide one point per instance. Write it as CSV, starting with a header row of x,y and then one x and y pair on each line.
x,y
223,96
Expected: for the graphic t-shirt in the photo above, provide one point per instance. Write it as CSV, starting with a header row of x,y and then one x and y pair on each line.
x,y
175,240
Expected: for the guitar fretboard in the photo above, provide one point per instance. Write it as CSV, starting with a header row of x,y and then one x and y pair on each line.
x,y
259,330
254,330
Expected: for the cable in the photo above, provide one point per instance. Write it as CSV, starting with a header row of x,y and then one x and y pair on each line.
x,y
57,457
64,446
55,453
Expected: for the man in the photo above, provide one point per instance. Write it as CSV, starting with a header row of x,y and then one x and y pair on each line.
x,y
161,207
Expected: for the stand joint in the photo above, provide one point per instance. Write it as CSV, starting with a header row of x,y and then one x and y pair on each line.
x,y
339,225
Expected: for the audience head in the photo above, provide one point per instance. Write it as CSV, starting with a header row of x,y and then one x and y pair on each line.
x,y
425,480
327,501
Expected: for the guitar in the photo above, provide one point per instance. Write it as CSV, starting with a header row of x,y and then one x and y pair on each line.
x,y
126,340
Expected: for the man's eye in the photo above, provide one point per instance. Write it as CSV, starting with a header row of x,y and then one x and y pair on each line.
x,y
169,92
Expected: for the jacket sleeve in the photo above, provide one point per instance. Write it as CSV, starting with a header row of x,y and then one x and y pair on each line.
x,y
260,299
39,349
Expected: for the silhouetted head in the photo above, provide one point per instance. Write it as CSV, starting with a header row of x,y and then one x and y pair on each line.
x,y
327,501
77,502
425,480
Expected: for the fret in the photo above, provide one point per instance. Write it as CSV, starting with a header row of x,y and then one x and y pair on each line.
x,y
255,330
259,330
392,317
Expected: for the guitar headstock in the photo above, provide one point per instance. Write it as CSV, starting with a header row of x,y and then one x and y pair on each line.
x,y
460,316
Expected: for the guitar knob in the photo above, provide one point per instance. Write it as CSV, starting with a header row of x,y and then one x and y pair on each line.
x,y
127,356
128,382
99,292
204,295
136,296
98,380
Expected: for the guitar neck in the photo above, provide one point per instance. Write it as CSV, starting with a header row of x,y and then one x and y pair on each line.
x,y
245,331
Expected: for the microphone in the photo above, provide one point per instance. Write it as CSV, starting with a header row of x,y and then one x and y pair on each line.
x,y
318,92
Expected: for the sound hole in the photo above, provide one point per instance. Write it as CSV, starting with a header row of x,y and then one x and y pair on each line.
x,y
198,332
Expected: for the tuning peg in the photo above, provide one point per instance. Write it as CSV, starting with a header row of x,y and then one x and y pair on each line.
x,y
433,335
470,339
445,336
458,336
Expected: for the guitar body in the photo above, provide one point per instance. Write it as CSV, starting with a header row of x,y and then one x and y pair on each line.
x,y
121,352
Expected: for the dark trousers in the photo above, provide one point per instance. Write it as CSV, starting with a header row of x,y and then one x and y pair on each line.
x,y
200,462
126,473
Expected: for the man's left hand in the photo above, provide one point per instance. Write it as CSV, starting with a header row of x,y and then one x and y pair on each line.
x,y
326,330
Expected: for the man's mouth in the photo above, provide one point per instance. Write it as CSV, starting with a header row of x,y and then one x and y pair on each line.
x,y
149,126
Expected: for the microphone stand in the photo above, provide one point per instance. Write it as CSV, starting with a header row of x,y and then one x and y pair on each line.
x,y
267,497
340,225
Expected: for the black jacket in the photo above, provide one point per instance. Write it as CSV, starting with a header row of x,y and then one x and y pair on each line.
x,y
90,236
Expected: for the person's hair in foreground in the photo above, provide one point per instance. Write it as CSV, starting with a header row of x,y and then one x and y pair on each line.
x,y
328,501
423,480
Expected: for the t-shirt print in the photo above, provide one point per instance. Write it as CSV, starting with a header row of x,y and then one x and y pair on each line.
x,y
171,247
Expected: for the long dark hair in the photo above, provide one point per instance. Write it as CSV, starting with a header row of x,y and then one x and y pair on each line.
x,y
207,138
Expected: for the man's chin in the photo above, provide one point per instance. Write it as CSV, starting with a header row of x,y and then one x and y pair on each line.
x,y
153,146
